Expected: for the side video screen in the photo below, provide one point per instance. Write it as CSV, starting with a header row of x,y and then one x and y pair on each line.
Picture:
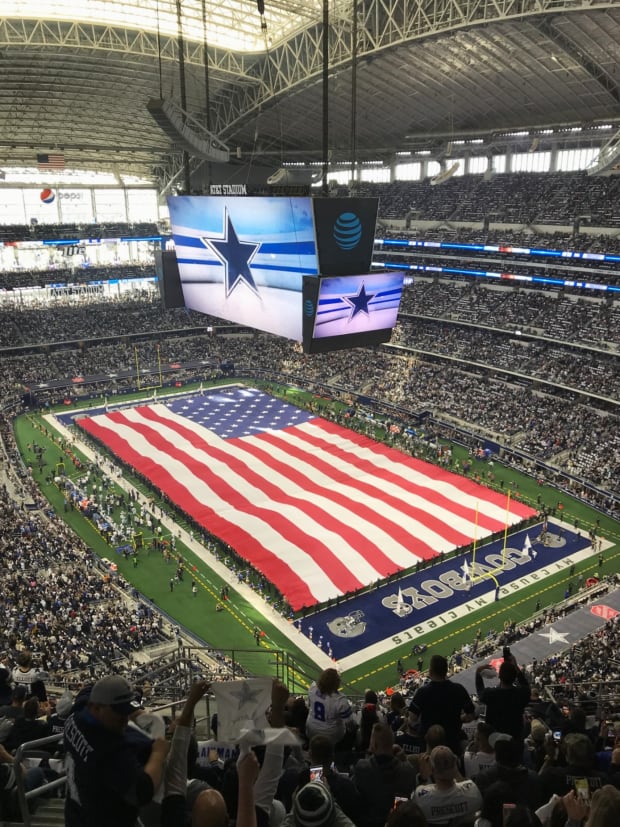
x,y
350,311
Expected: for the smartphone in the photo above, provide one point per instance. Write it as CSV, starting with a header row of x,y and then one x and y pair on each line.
x,y
398,800
557,736
506,652
316,774
506,811
582,788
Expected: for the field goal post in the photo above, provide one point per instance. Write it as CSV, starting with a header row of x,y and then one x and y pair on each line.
x,y
490,574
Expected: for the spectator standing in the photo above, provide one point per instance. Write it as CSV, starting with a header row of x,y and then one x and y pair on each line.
x,y
329,709
526,785
442,702
28,675
381,777
16,708
408,738
6,689
580,763
397,711
366,718
341,786
480,754
105,783
28,727
314,806
506,703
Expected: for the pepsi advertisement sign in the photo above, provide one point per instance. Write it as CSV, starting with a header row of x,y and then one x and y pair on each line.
x,y
345,234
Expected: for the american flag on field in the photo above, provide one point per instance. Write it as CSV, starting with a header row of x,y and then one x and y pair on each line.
x,y
319,509
51,161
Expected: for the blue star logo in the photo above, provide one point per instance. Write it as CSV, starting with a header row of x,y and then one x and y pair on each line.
x,y
235,255
359,303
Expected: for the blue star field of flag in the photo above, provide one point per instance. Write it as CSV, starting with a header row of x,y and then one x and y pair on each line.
x,y
239,412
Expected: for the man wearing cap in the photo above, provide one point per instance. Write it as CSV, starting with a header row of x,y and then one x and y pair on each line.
x,y
314,806
446,799
106,784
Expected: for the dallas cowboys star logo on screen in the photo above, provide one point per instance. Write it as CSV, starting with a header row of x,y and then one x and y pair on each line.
x,y
359,302
235,255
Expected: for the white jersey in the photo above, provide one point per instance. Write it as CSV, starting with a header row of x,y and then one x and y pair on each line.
x,y
475,762
328,714
27,678
441,806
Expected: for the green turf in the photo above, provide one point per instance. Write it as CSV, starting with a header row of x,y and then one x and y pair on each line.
x,y
233,628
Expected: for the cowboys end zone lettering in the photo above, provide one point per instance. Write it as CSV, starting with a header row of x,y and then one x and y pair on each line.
x,y
450,581
440,593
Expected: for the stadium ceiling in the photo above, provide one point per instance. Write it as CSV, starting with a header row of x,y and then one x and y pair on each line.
x,y
75,77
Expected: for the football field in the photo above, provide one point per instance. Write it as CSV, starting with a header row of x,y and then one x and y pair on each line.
x,y
319,509
438,602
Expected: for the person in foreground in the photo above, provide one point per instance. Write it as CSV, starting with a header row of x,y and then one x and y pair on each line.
x,y
106,785
314,806
446,798
603,811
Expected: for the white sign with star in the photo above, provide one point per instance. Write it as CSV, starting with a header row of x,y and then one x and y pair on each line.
x,y
241,705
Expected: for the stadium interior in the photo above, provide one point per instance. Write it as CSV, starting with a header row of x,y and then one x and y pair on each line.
x,y
200,508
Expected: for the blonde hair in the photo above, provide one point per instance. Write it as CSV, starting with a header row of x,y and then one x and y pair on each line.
x,y
605,807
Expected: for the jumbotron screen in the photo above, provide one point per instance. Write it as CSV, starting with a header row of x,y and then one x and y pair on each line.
x,y
243,259
350,311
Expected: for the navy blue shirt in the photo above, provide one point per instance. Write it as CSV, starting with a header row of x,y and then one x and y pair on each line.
x,y
106,783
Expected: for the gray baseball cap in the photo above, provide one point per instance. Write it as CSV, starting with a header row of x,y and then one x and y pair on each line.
x,y
114,691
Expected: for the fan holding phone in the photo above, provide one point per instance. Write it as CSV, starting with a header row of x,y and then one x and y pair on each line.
x,y
505,703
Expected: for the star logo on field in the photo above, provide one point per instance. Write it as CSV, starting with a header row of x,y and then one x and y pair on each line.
x,y
359,303
235,255
554,637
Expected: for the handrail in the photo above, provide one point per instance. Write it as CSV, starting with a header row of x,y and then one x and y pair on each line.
x,y
22,796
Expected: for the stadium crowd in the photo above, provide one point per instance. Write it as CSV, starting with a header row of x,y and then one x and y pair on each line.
x,y
62,232
40,325
514,198
426,755
548,314
427,751
56,604
13,279
449,370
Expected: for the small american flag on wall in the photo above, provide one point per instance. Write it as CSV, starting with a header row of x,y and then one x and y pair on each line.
x,y
53,160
